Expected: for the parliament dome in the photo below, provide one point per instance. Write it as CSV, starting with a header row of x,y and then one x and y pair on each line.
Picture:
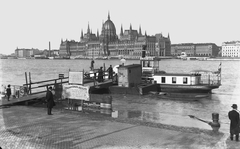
x,y
108,31
108,25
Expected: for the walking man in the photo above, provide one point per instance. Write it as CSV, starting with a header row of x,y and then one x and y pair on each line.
x,y
234,122
50,101
8,92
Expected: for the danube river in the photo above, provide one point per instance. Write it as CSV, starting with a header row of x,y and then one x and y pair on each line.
x,y
12,71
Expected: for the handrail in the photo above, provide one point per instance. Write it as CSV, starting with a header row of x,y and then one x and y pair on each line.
x,y
45,81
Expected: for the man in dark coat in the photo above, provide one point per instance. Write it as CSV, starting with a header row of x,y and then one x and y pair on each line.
x,y
100,74
50,101
8,92
110,72
234,124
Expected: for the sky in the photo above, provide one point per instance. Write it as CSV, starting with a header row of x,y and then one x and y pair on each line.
x,y
35,23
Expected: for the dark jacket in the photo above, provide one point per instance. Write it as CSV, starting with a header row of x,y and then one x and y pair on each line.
x,y
8,91
49,98
234,124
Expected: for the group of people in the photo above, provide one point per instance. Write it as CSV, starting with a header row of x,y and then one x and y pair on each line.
x,y
101,73
233,115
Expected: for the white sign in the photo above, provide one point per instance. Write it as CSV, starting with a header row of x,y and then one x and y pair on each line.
x,y
75,77
76,92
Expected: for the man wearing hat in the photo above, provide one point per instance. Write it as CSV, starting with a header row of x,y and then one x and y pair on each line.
x,y
234,124
50,101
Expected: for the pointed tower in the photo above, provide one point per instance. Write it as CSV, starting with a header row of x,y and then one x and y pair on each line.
x,y
61,40
121,33
88,30
97,34
168,36
140,31
130,27
108,15
81,34
145,33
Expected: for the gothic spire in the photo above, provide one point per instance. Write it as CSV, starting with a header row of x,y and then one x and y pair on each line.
x,y
145,33
88,30
97,34
82,34
140,31
108,15
130,27
168,36
121,33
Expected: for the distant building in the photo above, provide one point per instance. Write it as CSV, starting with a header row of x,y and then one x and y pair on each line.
x,y
129,43
198,49
231,49
25,53
51,53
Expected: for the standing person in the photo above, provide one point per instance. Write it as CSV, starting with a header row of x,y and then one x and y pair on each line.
x,y
50,101
92,65
100,74
110,72
8,92
234,122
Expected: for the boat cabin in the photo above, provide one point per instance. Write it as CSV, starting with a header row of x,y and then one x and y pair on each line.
x,y
192,78
178,79
129,75
150,65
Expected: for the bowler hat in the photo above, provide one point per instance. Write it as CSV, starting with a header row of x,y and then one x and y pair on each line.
x,y
234,106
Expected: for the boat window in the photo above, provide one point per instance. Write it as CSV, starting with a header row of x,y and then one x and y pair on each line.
x,y
184,80
174,79
163,80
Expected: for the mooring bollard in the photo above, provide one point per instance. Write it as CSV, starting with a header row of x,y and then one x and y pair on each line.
x,y
215,124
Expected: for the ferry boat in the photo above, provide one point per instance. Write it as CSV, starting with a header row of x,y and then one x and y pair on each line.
x,y
196,81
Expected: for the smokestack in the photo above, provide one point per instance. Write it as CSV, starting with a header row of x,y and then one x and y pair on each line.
x,y
49,49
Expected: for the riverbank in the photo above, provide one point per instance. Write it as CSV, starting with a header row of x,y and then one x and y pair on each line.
x,y
31,127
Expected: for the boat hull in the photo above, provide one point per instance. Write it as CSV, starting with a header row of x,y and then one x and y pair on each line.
x,y
187,88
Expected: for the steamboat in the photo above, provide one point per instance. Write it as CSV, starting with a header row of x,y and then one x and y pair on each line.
x,y
196,81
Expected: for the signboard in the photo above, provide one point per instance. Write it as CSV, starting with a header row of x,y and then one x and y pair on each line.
x,y
76,92
61,76
75,77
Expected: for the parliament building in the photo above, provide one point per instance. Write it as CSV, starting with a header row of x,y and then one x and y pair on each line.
x,y
128,43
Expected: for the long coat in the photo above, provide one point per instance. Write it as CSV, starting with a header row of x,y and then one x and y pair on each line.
x,y
234,124
49,98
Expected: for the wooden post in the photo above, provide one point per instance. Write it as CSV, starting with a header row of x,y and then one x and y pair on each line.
x,y
30,82
104,69
26,81
83,77
94,79
55,84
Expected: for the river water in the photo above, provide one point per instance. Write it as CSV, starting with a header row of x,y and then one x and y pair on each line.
x,y
149,107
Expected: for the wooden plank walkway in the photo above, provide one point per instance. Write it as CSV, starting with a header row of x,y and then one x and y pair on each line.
x,y
27,98
5,102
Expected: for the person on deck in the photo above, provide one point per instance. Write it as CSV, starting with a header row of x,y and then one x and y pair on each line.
x,y
92,65
110,72
234,122
100,75
8,90
50,101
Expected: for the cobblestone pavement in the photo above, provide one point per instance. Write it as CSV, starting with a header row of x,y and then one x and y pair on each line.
x,y
31,128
